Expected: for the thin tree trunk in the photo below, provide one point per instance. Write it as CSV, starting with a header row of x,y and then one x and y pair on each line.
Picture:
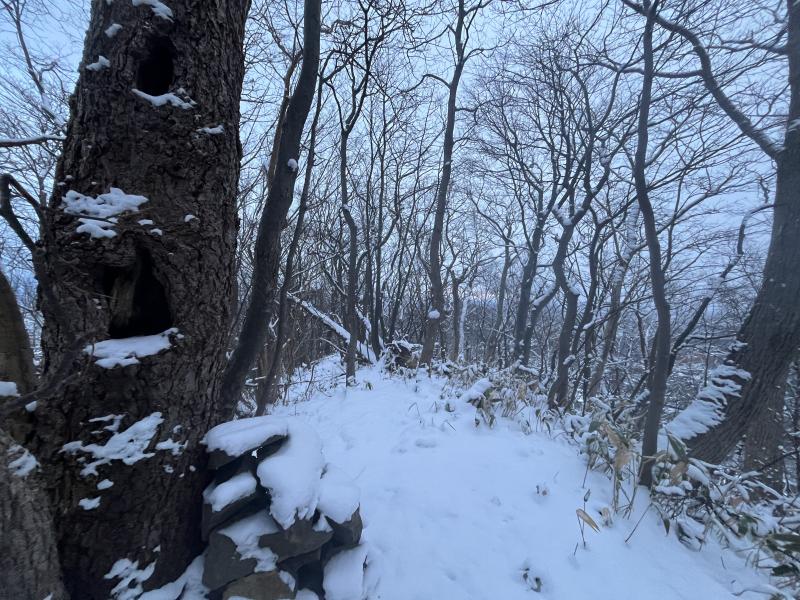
x,y
660,371
279,199
436,312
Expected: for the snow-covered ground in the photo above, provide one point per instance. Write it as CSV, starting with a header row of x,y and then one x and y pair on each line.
x,y
455,511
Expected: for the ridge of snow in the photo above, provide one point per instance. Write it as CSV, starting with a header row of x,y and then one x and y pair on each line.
x,y
234,438
164,99
128,446
24,464
123,352
708,407
98,215
237,487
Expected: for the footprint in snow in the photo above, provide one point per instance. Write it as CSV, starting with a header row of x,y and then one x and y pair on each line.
x,y
425,443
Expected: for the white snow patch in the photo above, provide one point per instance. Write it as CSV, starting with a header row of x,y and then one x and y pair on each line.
x,y
101,63
8,388
189,586
99,214
123,352
245,533
156,231
234,438
292,475
292,164
159,8
175,447
189,217
216,130
339,497
164,99
237,487
708,408
113,30
89,503
24,463
128,446
477,390
31,406
144,222
105,484
131,578
434,315
344,575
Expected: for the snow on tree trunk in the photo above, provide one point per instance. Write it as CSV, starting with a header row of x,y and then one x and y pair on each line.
x,y
152,139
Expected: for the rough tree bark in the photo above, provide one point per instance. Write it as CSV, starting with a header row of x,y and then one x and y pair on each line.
x,y
16,358
660,371
436,312
155,113
767,342
279,199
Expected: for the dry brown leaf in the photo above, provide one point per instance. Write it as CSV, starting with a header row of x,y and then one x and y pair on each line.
x,y
584,516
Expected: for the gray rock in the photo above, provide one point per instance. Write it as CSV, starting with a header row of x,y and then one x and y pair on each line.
x,y
218,459
223,563
267,585
300,538
348,533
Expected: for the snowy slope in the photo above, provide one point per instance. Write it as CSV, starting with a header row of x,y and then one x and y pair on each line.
x,y
458,512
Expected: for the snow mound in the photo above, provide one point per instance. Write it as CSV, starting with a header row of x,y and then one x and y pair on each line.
x,y
236,438
292,475
339,497
344,575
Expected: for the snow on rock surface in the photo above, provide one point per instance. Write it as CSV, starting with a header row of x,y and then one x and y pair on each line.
x,y
8,388
338,495
235,438
113,30
292,475
99,214
122,352
237,487
128,446
459,517
245,533
344,575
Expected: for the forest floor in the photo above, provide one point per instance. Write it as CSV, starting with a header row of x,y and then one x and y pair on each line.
x,y
458,511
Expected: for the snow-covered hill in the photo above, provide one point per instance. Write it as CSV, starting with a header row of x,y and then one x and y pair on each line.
x,y
458,511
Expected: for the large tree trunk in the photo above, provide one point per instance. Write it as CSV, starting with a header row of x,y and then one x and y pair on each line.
x,y
28,557
759,362
16,358
144,96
